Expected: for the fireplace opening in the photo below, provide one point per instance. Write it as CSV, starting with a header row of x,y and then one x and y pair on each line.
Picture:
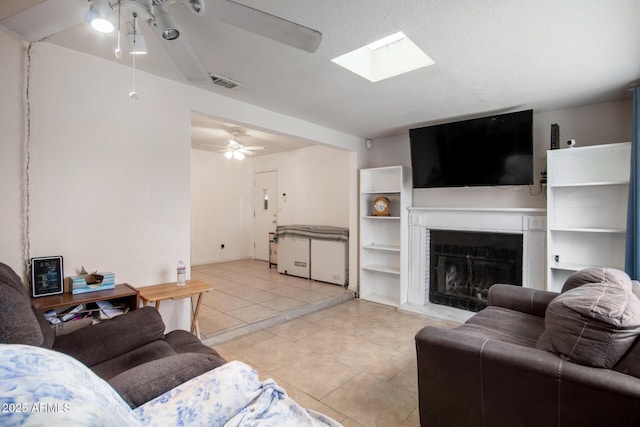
x,y
464,265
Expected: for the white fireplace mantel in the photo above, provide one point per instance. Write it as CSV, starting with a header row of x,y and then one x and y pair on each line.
x,y
529,222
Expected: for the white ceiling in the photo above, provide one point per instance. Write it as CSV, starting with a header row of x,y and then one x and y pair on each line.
x,y
209,134
491,56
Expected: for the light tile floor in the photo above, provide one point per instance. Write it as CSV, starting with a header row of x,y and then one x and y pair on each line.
x,y
247,296
354,361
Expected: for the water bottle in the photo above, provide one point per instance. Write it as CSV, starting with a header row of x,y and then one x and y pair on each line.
x,y
182,274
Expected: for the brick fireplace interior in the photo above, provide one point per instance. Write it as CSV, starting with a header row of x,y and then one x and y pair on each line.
x,y
464,264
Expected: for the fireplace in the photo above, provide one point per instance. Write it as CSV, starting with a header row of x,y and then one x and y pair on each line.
x,y
464,264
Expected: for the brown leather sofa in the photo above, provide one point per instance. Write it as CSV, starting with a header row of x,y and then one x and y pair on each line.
x,y
537,358
131,352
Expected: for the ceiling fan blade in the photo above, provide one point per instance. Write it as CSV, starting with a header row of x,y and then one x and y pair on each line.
x,y
266,25
221,147
45,19
247,152
184,55
256,147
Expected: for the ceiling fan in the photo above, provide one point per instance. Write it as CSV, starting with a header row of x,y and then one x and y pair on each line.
x,y
51,16
235,150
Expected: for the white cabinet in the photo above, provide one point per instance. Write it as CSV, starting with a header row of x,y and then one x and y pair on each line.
x,y
587,193
329,261
314,251
294,256
383,239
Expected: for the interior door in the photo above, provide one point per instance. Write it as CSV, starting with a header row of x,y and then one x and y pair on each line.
x,y
265,213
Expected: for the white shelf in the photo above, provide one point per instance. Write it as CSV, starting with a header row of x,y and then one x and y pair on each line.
x,y
381,218
586,209
379,247
384,239
590,184
381,299
588,230
389,269
381,192
573,267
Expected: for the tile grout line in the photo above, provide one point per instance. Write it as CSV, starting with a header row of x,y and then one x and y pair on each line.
x,y
277,319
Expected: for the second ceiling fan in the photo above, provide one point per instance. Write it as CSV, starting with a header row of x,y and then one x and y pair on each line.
x,y
235,150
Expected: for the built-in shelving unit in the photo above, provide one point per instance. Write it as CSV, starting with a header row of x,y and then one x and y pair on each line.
x,y
587,194
383,239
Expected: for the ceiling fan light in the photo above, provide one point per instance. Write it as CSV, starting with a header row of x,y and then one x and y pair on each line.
x,y
238,155
102,25
228,154
167,25
135,39
170,34
100,16
137,44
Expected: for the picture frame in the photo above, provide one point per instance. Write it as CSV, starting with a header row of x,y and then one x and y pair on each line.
x,y
47,277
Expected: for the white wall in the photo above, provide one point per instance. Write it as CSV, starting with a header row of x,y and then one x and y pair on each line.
x,y
108,174
315,179
221,193
11,160
589,125
110,178
389,151
596,124
316,182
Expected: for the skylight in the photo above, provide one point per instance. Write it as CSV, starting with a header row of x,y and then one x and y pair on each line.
x,y
390,56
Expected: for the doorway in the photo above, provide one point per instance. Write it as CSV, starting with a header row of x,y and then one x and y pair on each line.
x,y
265,214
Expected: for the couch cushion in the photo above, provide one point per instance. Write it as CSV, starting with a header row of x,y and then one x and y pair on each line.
x,y
593,324
142,383
18,323
185,342
158,349
503,324
596,275
635,288
48,334
630,363
111,338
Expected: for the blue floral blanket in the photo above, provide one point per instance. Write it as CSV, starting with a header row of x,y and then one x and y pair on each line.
x,y
44,387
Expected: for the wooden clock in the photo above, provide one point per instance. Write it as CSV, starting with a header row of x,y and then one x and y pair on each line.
x,y
381,206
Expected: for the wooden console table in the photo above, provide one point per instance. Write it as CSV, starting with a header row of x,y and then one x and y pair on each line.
x,y
121,293
166,291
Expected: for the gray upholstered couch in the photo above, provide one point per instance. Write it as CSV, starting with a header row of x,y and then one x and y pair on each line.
x,y
131,352
536,358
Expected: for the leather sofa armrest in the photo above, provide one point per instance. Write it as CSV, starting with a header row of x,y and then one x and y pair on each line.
x,y
464,379
449,378
150,380
524,300
114,337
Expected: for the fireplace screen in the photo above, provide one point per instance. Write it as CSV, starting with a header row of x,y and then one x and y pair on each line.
x,y
464,265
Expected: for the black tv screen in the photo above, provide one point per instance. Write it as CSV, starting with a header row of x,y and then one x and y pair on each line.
x,y
488,151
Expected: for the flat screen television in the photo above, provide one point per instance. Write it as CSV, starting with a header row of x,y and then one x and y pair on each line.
x,y
488,151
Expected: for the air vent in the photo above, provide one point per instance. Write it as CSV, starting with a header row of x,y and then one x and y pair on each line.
x,y
223,82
